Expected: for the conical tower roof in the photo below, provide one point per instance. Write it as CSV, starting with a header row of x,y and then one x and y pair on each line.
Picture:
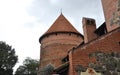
x,y
61,25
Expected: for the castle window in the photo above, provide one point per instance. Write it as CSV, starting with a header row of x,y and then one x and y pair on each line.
x,y
56,34
118,9
47,36
77,35
89,21
69,34
119,42
66,59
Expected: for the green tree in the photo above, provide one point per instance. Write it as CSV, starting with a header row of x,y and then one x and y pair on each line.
x,y
29,67
8,59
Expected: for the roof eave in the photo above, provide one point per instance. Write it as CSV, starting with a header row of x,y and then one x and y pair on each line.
x,y
44,35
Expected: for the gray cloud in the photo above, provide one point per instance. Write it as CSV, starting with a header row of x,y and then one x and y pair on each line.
x,y
23,28
47,11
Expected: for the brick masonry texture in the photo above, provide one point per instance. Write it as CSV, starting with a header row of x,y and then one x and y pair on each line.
x,y
55,47
61,37
106,43
110,8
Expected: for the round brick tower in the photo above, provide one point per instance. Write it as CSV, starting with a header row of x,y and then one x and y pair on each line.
x,y
57,41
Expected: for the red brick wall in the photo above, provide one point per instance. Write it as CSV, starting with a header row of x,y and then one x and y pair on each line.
x,y
106,43
110,11
55,47
89,26
62,38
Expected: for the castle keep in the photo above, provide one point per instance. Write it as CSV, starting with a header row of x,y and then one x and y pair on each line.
x,y
57,41
64,50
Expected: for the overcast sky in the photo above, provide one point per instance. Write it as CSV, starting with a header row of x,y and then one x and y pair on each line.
x,y
22,22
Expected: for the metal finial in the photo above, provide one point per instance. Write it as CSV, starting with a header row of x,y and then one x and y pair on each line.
x,y
61,10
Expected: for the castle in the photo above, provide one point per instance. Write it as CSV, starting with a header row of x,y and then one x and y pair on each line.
x,y
63,48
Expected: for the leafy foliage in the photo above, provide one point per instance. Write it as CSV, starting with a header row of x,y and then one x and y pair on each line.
x,y
29,67
8,59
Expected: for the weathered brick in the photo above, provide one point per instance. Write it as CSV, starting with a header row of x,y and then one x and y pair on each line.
x,y
107,43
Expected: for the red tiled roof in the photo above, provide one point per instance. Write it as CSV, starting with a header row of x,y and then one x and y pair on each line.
x,y
61,25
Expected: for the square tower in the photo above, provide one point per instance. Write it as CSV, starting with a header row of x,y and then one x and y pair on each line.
x,y
111,10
